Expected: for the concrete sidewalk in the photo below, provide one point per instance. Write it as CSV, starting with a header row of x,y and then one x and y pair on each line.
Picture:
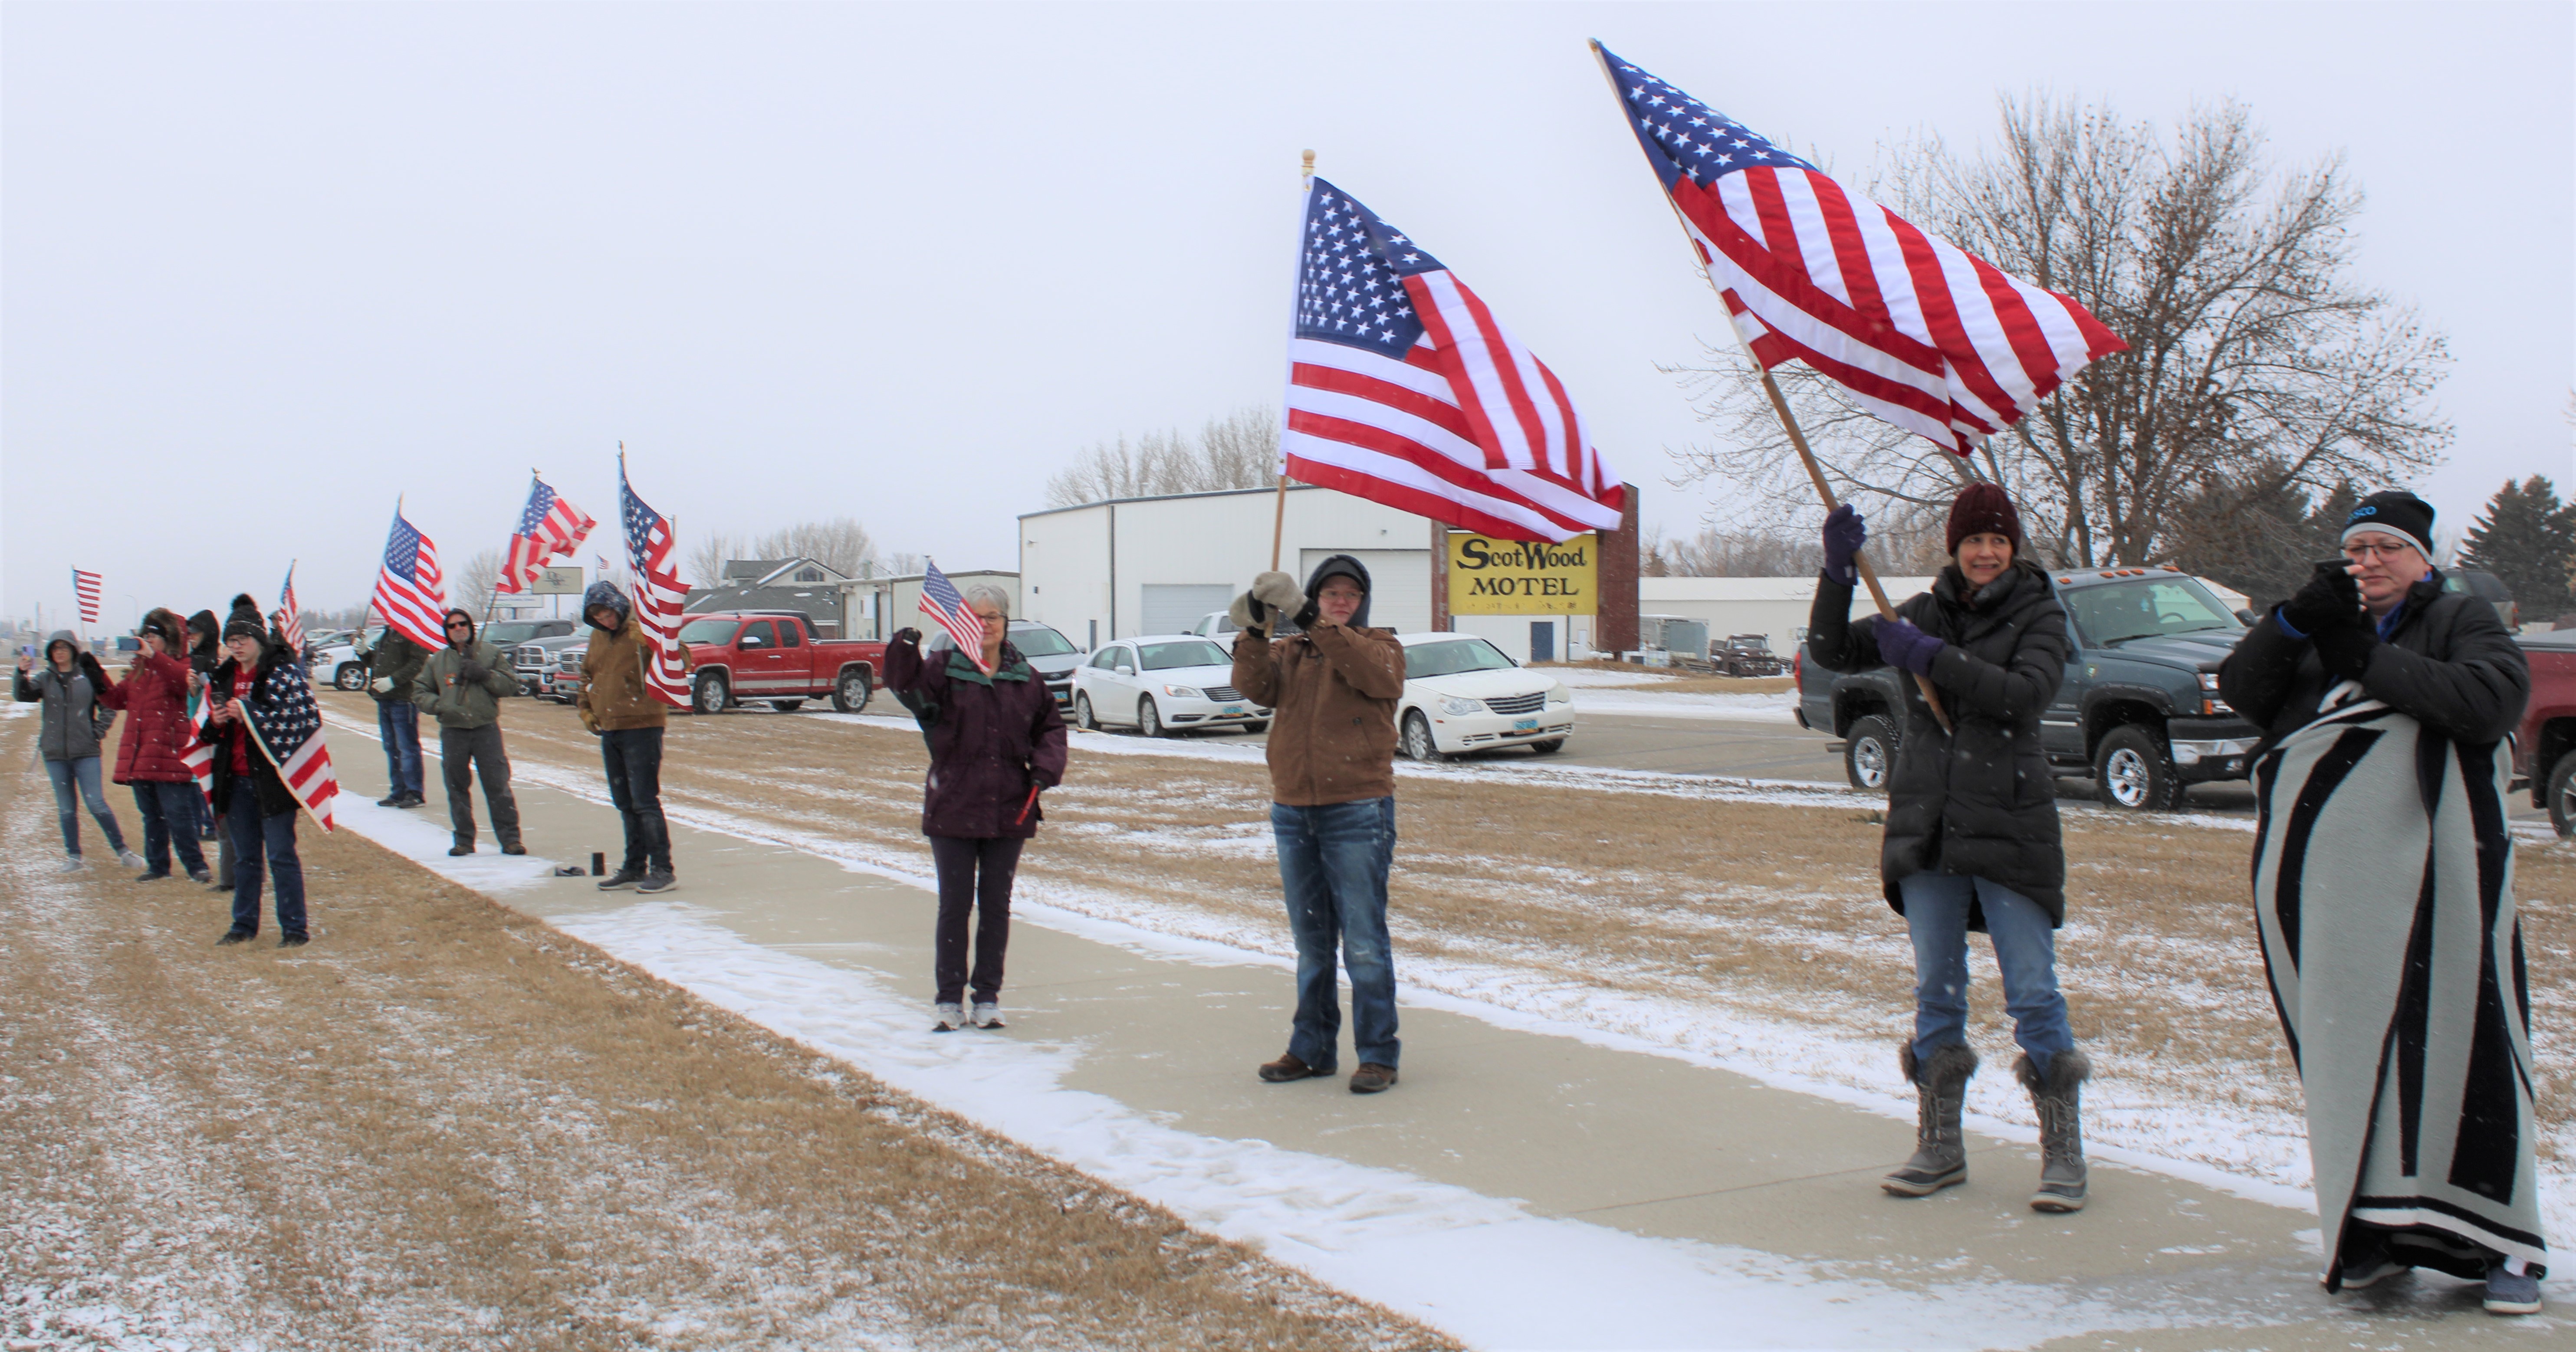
x,y
1753,1188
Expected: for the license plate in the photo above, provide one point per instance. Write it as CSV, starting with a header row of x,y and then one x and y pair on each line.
x,y
1233,711
1524,725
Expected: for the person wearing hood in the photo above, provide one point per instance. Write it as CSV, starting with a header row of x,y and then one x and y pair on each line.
x,y
462,685
73,689
1972,838
205,653
1332,688
393,664
996,742
617,706
151,758
257,806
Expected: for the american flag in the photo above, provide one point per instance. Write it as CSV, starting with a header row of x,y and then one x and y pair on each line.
x,y
658,593
85,590
550,528
1913,329
410,593
287,627
942,603
199,753
1404,389
288,727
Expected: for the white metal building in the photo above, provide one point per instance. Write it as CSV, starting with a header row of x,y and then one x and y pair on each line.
x,y
1109,570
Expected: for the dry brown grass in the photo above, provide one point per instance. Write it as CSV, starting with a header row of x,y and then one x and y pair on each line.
x,y
1769,909
447,1124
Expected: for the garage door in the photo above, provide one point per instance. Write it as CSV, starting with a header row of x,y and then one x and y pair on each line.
x,y
1399,584
1175,608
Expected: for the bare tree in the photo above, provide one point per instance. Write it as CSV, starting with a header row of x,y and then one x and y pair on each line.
x,y
1239,450
841,544
903,565
2255,364
708,557
474,586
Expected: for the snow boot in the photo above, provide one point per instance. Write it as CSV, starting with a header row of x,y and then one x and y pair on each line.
x,y
1940,1142
2061,1127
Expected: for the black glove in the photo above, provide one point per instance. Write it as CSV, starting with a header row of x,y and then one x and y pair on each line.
x,y
2330,600
2345,649
911,636
472,671
1844,534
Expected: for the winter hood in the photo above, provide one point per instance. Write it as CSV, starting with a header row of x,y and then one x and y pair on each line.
x,y
1339,565
606,594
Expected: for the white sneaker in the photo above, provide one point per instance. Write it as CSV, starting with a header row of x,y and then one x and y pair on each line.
x,y
952,1016
988,1015
71,864
130,859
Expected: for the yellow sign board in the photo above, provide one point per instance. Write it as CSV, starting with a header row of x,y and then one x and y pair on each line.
x,y
1523,577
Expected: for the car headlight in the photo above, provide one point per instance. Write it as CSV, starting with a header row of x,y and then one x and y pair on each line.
x,y
1456,707
1557,694
1180,692
2209,681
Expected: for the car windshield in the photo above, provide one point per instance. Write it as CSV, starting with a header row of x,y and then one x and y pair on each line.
x,y
1451,656
1037,640
506,632
708,631
1197,652
2148,608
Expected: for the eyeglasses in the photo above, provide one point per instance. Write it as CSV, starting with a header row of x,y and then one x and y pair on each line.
x,y
2359,550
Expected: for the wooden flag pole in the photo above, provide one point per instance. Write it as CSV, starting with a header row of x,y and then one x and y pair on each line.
x,y
1788,422
1279,506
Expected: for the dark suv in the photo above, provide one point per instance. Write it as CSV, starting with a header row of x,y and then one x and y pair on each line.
x,y
2139,711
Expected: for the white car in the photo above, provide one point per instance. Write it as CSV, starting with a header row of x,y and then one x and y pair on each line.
x,y
1462,694
1162,683
339,664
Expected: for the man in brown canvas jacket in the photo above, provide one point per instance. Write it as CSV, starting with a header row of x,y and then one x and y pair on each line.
x,y
615,705
1332,689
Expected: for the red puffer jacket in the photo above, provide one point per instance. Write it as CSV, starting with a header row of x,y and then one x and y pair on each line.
x,y
154,697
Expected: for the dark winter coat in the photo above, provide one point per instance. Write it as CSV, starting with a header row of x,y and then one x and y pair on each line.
x,y
442,692
1981,802
274,796
154,696
395,658
614,697
994,741
1332,692
76,715
2448,662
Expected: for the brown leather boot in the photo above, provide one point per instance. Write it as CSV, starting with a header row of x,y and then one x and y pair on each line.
x,y
1289,1067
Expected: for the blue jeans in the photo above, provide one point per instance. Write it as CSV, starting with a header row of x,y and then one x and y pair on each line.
x,y
168,823
256,835
84,772
1333,862
399,727
1936,911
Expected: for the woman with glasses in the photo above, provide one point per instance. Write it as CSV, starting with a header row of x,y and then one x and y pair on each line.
x,y
2383,888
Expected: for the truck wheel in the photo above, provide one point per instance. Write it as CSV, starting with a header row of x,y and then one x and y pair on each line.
x,y
1149,720
712,694
787,706
1418,743
850,694
2132,771
2562,794
1869,753
1082,716
1549,747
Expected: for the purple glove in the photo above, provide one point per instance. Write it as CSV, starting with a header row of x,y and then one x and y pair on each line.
x,y
1844,533
1905,646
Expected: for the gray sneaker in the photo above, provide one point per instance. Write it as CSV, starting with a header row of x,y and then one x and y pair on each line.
x,y
2512,1292
951,1014
988,1014
659,880
130,859
622,879
72,864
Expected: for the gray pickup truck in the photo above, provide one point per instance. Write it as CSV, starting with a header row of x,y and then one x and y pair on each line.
x,y
2139,712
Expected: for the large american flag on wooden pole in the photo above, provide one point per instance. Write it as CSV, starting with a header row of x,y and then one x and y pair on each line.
x,y
1911,327
410,591
549,528
1404,389
659,592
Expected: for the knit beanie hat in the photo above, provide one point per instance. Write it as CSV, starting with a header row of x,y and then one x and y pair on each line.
x,y
245,619
1982,509
2395,512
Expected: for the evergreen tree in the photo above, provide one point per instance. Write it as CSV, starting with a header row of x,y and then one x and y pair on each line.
x,y
2528,540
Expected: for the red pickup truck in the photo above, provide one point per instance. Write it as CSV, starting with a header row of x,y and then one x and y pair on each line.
x,y
774,655
2545,750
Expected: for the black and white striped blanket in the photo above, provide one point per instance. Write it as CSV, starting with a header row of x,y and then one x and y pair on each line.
x,y
2383,887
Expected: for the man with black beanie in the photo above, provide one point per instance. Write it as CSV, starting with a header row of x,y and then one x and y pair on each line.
x,y
462,685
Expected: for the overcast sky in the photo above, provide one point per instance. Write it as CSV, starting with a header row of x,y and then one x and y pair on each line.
x,y
263,268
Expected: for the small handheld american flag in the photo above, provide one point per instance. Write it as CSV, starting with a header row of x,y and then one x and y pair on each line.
x,y
287,627
941,602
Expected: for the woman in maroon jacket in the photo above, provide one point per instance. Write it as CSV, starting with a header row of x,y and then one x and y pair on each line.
x,y
151,756
995,743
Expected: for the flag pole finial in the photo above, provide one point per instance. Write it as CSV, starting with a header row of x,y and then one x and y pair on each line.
x,y
1309,170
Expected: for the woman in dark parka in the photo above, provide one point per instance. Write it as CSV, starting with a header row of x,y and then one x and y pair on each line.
x,y
1972,840
996,741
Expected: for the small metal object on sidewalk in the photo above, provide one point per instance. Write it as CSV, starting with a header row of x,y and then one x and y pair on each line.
x,y
598,864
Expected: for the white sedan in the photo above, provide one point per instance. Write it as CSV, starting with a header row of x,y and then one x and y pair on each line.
x,y
1161,684
1462,694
